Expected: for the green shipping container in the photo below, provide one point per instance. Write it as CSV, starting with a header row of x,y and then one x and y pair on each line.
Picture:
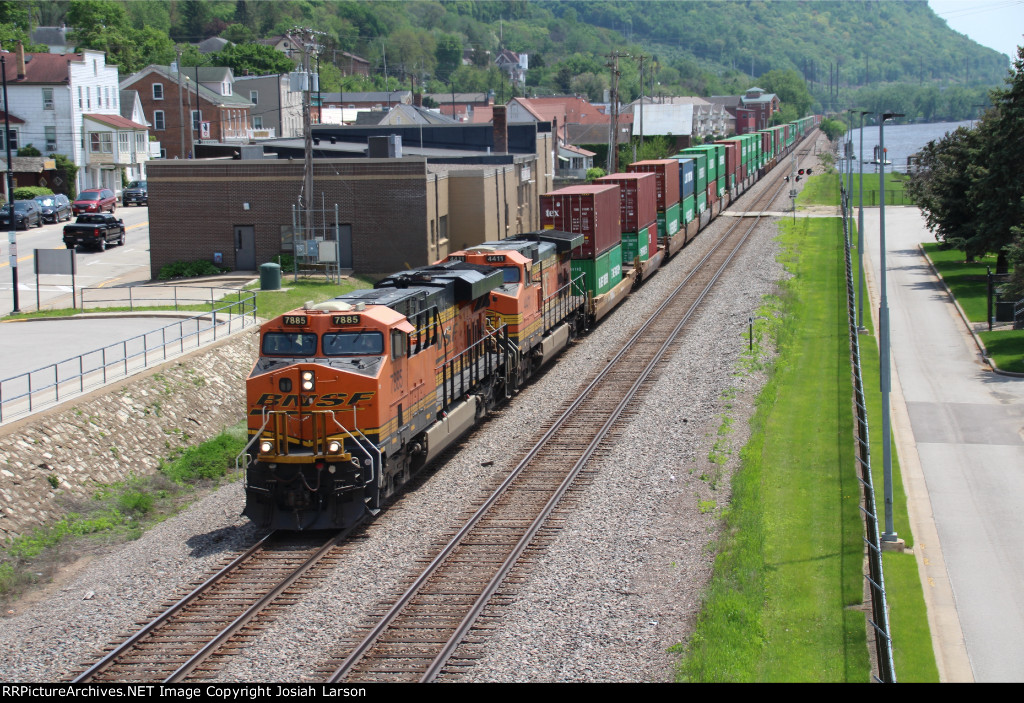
x,y
702,201
688,210
635,244
668,221
603,273
721,186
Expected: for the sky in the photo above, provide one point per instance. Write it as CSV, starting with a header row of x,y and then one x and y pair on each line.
x,y
997,24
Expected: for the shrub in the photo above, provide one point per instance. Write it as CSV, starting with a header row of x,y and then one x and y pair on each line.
x,y
595,172
29,192
29,150
189,269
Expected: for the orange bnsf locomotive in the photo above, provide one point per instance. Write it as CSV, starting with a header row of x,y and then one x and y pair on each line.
x,y
350,397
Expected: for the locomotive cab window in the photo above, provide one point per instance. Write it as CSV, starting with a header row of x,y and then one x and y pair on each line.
x,y
399,344
510,274
289,344
352,343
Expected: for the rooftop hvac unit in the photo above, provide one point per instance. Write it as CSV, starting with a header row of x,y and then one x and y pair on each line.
x,y
389,147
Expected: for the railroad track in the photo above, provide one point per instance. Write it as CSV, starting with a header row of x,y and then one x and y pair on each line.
x,y
419,633
187,639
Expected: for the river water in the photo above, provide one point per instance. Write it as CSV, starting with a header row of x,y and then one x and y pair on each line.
x,y
900,141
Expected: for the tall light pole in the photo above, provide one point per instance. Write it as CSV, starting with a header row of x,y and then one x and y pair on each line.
x,y
12,234
883,328
860,230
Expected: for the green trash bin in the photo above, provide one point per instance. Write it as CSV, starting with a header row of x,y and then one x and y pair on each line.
x,y
270,277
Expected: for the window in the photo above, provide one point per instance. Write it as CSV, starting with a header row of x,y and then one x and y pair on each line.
x,y
123,142
79,97
158,120
163,153
14,140
158,91
197,117
51,138
140,141
257,122
100,143
47,98
254,97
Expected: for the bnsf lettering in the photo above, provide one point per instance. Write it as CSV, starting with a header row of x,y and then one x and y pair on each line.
x,y
293,400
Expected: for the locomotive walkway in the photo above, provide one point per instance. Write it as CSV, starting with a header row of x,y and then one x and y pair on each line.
x,y
962,454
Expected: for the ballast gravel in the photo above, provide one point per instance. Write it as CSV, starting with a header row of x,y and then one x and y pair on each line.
x,y
605,599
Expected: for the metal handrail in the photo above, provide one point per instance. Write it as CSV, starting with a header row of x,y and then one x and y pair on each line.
x,y
47,386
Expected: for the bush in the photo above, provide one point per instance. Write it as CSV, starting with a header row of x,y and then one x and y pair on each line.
x,y
593,173
29,150
29,192
189,269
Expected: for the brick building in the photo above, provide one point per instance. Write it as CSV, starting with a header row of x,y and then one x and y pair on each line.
x,y
217,114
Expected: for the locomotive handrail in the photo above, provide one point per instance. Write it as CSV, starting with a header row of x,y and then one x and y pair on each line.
x,y
245,449
475,353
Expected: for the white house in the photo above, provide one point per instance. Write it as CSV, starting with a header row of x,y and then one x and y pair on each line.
x,y
52,94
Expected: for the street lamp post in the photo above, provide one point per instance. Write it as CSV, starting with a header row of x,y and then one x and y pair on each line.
x,y
883,328
860,230
12,235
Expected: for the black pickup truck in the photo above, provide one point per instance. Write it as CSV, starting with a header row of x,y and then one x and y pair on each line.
x,y
94,231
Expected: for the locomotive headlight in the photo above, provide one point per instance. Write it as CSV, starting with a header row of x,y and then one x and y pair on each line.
x,y
334,446
266,446
307,381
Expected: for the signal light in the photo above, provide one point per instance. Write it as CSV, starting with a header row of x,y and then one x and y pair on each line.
x,y
801,172
786,179
798,178
808,172
308,382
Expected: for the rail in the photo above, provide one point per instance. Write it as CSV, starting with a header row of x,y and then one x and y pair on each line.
x,y
879,619
51,384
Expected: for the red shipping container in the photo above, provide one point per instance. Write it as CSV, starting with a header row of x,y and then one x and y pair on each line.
x,y
667,172
652,234
590,210
638,198
713,192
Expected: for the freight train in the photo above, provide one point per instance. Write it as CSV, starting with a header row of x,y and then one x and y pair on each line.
x,y
349,398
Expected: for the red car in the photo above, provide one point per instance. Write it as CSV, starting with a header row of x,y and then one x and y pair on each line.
x,y
95,200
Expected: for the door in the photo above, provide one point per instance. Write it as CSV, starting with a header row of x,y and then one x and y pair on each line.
x,y
345,246
245,248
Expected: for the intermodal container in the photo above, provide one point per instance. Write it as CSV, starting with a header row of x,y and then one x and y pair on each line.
x,y
700,168
686,177
722,185
702,202
711,160
602,273
668,221
732,162
688,210
637,245
667,173
591,210
638,198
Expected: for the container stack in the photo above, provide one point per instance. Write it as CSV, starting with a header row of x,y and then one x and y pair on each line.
x,y
667,175
702,176
638,210
593,211
687,180
733,161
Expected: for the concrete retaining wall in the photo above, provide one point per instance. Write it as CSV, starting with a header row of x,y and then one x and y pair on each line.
x,y
121,430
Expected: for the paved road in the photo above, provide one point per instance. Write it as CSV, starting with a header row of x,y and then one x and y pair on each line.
x,y
130,262
966,425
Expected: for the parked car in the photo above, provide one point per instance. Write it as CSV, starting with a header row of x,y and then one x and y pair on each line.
x,y
136,192
95,200
55,208
26,214
94,231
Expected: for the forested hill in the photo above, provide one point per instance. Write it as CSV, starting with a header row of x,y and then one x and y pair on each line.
x,y
892,55
871,41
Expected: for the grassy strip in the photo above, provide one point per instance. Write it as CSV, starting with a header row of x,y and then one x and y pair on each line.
x,y
820,190
118,512
790,564
969,283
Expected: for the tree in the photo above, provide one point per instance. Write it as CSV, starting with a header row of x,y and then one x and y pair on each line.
x,y
253,59
833,129
791,89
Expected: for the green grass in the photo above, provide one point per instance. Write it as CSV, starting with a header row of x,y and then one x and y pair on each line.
x,y
895,189
820,190
967,280
969,283
783,601
118,512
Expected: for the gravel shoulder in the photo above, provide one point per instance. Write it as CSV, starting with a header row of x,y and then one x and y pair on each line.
x,y
614,588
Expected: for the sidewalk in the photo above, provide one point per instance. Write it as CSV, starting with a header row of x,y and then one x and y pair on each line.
x,y
957,426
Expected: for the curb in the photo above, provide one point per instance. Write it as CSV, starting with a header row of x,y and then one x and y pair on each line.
x,y
967,323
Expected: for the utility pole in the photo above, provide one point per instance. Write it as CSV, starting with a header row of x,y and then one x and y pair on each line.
x,y
642,57
181,109
12,234
613,125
